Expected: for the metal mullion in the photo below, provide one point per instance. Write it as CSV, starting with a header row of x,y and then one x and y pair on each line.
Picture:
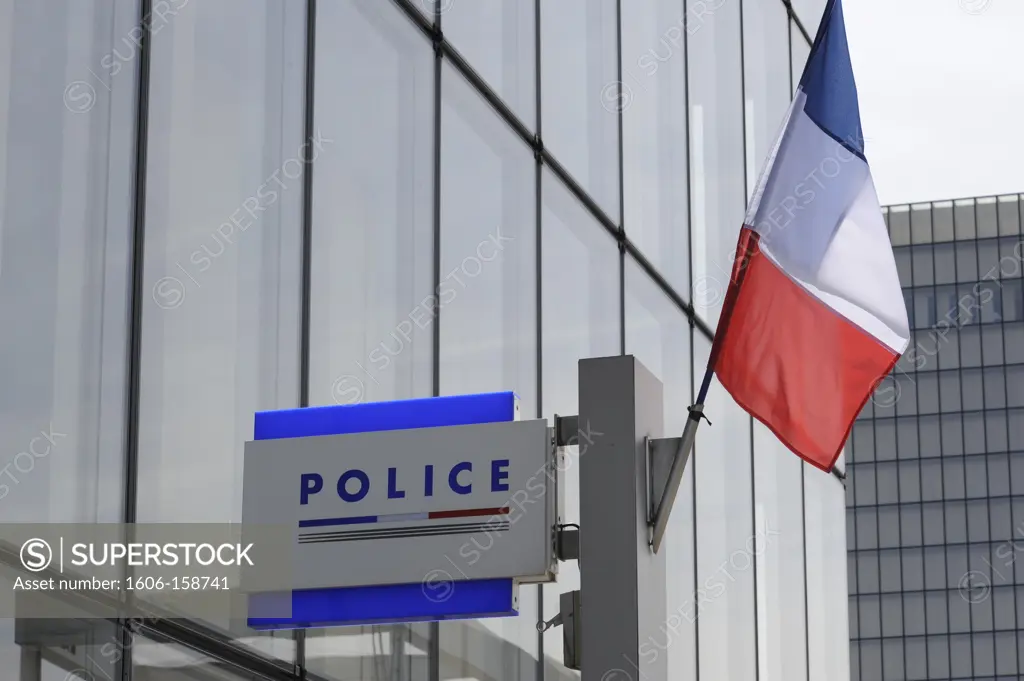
x,y
695,321
749,418
1009,449
305,304
435,35
796,20
963,448
135,308
621,232
921,484
803,466
539,237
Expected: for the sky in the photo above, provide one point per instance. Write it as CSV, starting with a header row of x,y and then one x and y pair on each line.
x,y
941,85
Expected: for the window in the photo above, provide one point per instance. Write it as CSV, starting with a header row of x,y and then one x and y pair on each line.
x,y
910,525
717,172
654,136
580,93
499,40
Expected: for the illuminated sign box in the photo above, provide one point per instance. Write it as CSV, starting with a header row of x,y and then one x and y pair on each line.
x,y
412,510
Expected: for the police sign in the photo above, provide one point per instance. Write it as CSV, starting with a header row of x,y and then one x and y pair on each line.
x,y
473,501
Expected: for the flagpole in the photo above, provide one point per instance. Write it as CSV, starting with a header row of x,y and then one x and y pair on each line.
x,y
675,475
696,412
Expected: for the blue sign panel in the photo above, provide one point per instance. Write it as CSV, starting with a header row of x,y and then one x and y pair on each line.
x,y
417,602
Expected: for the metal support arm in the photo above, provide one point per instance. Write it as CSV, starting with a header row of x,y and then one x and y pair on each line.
x,y
664,490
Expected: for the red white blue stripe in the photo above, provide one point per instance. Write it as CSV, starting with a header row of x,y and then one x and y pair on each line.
x,y
404,517
814,316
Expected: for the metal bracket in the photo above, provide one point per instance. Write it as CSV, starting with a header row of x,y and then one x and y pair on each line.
x,y
661,452
568,618
661,486
567,430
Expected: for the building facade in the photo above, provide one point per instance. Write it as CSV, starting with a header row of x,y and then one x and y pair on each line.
x,y
240,205
936,460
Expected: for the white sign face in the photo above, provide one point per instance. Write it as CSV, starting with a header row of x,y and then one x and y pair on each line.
x,y
402,506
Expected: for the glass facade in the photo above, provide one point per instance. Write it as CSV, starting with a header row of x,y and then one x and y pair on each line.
x,y
936,460
214,207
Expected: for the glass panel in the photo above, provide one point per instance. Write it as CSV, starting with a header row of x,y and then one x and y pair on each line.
x,y
157,659
888,483
967,261
988,259
1015,385
888,526
933,524
1011,261
963,221
942,220
924,274
779,504
899,225
960,655
827,622
909,481
885,439
910,525
716,149
892,657
938,656
998,475
722,467
374,211
935,612
1015,419
916,659
765,67
1013,300
488,324
65,207
995,387
945,263
576,324
889,570
870,617
950,391
985,214
956,521
65,183
953,478
654,136
1008,209
864,485
371,320
1006,653
913,613
976,476
499,40
223,199
1014,342
581,96
657,333
931,480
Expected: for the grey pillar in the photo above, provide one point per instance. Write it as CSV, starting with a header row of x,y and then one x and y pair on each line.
x,y
622,582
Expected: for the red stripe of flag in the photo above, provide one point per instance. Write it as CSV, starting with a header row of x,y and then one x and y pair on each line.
x,y
467,513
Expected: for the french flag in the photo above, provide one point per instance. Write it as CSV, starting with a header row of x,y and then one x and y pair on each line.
x,y
814,317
